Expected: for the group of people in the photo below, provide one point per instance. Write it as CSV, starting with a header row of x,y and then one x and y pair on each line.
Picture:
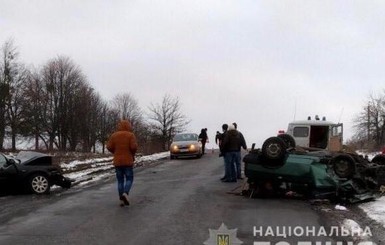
x,y
122,143
230,142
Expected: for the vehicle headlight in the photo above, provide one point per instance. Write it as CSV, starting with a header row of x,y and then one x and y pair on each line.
x,y
174,148
192,147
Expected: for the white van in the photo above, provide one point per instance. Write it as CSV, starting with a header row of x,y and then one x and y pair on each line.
x,y
317,133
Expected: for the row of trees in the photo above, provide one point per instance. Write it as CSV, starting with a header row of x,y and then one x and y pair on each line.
x,y
370,124
56,106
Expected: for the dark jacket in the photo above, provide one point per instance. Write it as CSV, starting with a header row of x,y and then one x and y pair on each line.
x,y
220,141
203,136
233,141
123,145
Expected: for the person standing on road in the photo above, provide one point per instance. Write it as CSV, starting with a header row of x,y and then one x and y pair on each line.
x,y
203,138
217,136
221,150
232,143
244,146
122,143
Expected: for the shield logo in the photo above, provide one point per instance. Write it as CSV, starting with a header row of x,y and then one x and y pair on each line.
x,y
223,236
223,239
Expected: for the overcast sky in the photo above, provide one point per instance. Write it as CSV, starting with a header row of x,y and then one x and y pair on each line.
x,y
261,64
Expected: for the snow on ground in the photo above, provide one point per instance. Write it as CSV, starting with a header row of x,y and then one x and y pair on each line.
x,y
374,209
83,172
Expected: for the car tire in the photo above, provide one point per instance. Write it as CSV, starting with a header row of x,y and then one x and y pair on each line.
x,y
288,139
343,166
379,159
274,148
39,184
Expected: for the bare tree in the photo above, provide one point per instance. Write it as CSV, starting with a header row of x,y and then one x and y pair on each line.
x,y
167,119
63,110
62,81
8,70
15,115
91,111
106,124
370,122
12,81
34,108
127,107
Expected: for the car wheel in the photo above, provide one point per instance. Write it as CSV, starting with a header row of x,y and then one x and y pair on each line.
x,y
288,139
343,166
39,184
379,159
274,148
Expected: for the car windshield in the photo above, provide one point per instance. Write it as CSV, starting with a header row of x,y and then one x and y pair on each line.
x,y
186,137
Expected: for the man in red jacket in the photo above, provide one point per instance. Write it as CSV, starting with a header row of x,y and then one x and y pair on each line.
x,y
123,145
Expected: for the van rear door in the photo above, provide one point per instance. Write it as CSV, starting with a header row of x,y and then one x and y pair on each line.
x,y
335,137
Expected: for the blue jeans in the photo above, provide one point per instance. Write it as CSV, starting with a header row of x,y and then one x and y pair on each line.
x,y
230,160
125,177
238,165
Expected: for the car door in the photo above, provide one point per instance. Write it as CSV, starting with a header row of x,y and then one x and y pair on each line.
x,y
335,137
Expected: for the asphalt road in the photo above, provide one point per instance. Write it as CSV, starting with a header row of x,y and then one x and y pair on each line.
x,y
172,202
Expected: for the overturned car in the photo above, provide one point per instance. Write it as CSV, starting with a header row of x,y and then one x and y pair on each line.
x,y
30,171
282,167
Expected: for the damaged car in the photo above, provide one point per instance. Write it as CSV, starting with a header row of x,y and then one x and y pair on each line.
x,y
30,171
282,167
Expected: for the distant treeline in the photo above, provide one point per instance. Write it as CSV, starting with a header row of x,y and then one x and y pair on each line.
x,y
57,107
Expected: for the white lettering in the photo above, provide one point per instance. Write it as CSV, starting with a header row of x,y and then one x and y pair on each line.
x,y
259,231
282,243
322,231
344,231
367,232
300,232
288,233
334,228
269,231
279,233
356,230
310,232
366,243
